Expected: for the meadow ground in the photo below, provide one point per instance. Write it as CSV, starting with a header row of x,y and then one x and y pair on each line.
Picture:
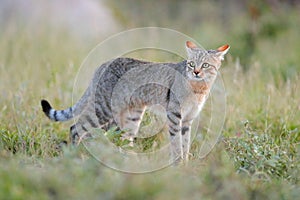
x,y
258,156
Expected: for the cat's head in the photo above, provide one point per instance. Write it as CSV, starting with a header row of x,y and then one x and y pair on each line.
x,y
203,65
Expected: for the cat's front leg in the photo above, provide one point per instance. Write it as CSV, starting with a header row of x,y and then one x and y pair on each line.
x,y
174,121
186,138
130,122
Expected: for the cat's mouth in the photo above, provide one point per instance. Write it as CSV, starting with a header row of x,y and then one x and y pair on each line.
x,y
198,77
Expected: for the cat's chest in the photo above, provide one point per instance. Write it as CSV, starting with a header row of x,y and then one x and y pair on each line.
x,y
192,108
195,101
200,90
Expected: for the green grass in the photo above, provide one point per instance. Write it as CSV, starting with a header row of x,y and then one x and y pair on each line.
x,y
258,156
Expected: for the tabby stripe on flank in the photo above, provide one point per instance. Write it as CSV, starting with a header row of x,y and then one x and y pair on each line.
x,y
90,121
84,128
106,109
101,112
101,104
100,115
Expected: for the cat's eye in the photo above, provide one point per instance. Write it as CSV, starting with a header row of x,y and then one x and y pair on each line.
x,y
192,64
205,65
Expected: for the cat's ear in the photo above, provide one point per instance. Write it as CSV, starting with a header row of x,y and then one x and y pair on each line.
x,y
190,45
221,51
190,48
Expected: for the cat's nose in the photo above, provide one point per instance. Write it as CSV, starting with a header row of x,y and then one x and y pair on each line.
x,y
196,72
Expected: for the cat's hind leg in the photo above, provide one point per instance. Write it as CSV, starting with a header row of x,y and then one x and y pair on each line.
x,y
74,135
77,133
83,128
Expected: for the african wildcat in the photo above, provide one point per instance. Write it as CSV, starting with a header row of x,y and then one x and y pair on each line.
x,y
122,88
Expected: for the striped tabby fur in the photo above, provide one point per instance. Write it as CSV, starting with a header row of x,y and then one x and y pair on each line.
x,y
123,88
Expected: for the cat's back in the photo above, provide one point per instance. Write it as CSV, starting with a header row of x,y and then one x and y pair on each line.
x,y
134,70
110,71
125,64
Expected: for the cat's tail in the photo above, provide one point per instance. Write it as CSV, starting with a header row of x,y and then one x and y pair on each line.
x,y
57,115
67,114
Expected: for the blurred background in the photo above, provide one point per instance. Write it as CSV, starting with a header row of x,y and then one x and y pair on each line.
x,y
251,27
262,32
43,43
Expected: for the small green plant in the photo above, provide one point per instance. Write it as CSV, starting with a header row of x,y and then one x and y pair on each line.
x,y
273,154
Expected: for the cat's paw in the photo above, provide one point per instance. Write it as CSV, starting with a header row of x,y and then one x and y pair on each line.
x,y
127,136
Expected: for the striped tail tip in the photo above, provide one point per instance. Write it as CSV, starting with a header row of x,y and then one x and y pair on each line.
x,y
46,107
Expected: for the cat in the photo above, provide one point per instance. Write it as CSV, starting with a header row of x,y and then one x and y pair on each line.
x,y
123,88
